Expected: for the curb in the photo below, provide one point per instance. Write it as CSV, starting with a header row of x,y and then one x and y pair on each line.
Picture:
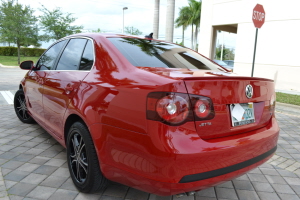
x,y
288,105
4,66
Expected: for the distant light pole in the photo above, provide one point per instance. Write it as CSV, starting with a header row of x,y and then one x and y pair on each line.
x,y
124,8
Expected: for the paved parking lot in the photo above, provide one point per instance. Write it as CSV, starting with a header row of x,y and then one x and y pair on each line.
x,y
33,166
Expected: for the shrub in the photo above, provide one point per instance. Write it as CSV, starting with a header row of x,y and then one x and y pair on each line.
x,y
13,51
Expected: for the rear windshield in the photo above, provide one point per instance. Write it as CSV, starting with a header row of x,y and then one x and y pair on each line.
x,y
147,53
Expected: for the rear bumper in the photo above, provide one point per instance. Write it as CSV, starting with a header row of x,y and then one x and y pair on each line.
x,y
227,170
166,189
172,160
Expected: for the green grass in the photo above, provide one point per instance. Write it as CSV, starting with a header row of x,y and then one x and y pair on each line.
x,y
288,98
13,60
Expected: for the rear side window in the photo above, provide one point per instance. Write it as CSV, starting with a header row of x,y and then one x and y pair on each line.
x,y
47,60
148,53
87,58
71,56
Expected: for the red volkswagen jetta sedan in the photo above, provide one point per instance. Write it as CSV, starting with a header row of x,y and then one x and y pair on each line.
x,y
149,114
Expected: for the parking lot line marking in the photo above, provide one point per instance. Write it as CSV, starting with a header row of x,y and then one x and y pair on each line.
x,y
8,96
11,96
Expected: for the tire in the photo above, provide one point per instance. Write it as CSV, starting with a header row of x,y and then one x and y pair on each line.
x,y
21,108
85,172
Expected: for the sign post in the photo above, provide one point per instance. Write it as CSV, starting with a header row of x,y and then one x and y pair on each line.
x,y
258,18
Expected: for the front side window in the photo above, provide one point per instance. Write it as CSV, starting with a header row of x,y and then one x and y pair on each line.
x,y
47,60
147,53
70,58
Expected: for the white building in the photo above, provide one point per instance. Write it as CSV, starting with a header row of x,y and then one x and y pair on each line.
x,y
278,42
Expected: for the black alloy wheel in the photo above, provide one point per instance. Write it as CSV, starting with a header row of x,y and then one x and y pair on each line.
x,y
21,108
78,158
83,161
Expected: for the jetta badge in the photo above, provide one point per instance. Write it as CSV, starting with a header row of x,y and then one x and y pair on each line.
x,y
249,91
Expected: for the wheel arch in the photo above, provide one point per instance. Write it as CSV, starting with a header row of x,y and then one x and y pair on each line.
x,y
97,180
69,121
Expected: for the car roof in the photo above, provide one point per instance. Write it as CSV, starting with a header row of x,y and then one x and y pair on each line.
x,y
96,35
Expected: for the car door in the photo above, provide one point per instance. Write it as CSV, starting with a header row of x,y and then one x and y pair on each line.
x,y
34,87
62,83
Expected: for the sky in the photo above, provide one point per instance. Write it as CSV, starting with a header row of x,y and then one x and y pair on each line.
x,y
108,15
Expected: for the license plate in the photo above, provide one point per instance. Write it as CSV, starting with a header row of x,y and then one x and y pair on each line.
x,y
242,113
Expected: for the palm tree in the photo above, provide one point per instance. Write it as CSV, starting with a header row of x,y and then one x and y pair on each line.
x,y
182,20
190,16
195,7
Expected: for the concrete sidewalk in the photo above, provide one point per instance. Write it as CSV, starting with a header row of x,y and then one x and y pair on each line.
x,y
33,166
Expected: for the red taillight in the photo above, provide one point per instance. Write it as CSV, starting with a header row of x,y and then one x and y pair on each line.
x,y
173,108
202,108
178,108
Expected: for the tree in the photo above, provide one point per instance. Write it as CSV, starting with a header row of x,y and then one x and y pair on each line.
x,y
17,24
183,20
98,30
190,16
180,43
196,12
228,54
57,24
132,31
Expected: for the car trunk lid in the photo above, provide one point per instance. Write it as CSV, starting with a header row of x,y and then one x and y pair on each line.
x,y
231,105
225,89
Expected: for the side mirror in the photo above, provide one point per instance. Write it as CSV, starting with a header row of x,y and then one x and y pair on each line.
x,y
28,64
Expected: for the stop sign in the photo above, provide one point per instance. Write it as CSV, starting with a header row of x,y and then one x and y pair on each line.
x,y
258,16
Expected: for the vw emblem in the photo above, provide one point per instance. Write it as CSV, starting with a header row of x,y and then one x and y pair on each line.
x,y
249,91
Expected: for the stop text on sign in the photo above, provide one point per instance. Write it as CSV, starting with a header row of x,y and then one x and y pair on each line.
x,y
258,15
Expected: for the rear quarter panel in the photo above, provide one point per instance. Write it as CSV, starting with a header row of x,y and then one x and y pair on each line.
x,y
114,93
